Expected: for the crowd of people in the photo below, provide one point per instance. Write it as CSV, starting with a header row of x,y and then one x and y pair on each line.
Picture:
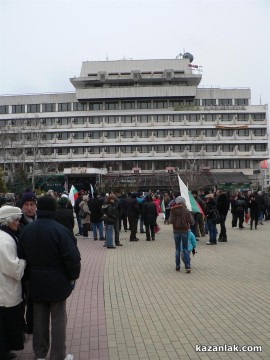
x,y
40,260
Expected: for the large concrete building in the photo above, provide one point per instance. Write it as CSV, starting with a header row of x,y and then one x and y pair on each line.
x,y
134,117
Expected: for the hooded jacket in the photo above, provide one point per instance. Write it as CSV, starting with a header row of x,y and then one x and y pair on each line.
x,y
181,218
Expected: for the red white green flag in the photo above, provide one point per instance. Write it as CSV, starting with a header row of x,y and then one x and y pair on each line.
x,y
73,195
191,203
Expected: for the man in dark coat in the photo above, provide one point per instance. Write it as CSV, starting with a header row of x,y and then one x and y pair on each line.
x,y
64,215
149,217
53,265
223,205
95,205
133,212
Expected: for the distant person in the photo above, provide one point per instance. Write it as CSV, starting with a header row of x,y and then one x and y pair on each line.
x,y
84,213
64,215
95,205
11,273
77,210
254,211
133,213
109,217
149,217
53,265
192,244
223,206
123,218
181,220
210,212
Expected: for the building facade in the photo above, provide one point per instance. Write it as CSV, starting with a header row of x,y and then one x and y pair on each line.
x,y
134,116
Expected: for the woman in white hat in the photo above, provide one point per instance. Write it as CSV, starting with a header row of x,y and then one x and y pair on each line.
x,y
11,273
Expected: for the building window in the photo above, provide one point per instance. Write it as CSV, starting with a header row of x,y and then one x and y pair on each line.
x,y
243,147
77,106
211,148
143,104
243,117
111,106
62,151
209,117
33,108
17,109
127,105
111,119
127,149
258,117
177,118
63,121
209,102
226,164
4,109
226,133
241,102
210,133
94,135
160,118
226,117
62,136
79,135
242,132
176,103
144,119
161,148
49,107
112,150
161,133
96,106
227,148
112,134
242,164
127,119
225,102
160,104
94,150
259,132
144,149
80,120
47,136
78,150
144,133
129,134
64,107
260,147
95,120
177,133
193,117
193,133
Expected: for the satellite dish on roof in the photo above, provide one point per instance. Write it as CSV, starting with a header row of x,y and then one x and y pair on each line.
x,y
188,56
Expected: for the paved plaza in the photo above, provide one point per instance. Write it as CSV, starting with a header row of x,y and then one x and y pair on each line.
x,y
130,303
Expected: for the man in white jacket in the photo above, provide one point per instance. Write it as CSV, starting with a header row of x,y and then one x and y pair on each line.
x,y
11,273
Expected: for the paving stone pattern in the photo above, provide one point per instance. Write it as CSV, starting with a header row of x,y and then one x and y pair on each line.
x,y
130,303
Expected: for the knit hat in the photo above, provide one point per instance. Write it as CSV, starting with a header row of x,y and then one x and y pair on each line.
x,y
180,200
46,202
6,211
28,196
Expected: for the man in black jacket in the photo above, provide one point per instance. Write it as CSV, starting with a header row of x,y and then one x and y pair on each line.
x,y
53,265
133,212
223,205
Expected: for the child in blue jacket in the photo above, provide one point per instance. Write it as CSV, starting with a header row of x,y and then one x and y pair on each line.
x,y
192,243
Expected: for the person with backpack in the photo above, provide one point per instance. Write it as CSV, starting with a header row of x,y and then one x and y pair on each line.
x,y
212,217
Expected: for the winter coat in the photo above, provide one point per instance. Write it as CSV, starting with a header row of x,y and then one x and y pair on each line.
x,y
53,259
11,271
192,243
65,217
209,209
157,204
76,204
110,214
223,204
149,213
95,209
123,202
254,208
133,208
181,218
84,206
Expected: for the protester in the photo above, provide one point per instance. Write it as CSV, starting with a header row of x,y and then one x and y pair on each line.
x,y
149,217
64,215
77,210
254,211
123,218
11,273
181,219
110,216
210,212
133,212
53,264
84,213
117,205
95,205
223,205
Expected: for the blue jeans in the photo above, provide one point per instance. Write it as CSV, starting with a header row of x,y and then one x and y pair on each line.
x,y
109,236
178,238
79,221
98,227
212,228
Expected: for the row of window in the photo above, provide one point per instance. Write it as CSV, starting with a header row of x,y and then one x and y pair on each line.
x,y
128,119
193,133
117,105
146,149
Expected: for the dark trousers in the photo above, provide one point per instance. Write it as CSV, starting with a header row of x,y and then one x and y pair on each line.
x,y
124,219
79,221
116,231
133,223
223,231
46,313
86,229
253,218
148,229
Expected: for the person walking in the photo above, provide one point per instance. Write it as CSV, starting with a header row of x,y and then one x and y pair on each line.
x,y
123,218
254,211
53,265
181,220
149,217
11,272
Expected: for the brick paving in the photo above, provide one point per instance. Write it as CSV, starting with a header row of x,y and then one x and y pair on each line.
x,y
130,303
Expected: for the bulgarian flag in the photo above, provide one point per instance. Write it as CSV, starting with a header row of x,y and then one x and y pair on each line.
x,y
191,203
73,195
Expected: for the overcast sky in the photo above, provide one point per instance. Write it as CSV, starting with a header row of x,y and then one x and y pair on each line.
x,y
43,43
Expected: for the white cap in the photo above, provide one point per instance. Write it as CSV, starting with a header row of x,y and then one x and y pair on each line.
x,y
7,211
